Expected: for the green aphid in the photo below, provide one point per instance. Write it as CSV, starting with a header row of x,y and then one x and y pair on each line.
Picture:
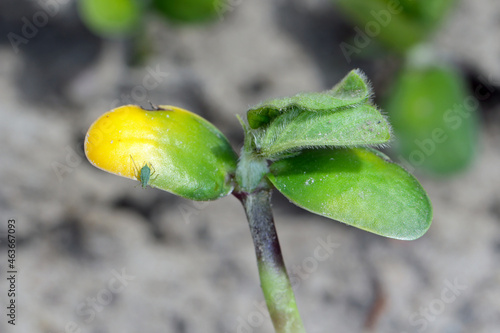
x,y
145,173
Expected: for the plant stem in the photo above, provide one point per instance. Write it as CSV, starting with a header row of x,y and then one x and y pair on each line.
x,y
274,279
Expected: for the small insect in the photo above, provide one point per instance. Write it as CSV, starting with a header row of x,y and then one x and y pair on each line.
x,y
145,173
155,107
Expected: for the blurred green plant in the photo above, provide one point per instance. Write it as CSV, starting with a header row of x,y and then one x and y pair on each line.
x,y
111,17
124,17
315,148
398,24
434,118
432,112
189,10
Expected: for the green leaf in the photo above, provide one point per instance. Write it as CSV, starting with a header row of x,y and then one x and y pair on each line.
x,y
296,129
358,187
435,119
428,12
190,10
342,116
399,25
395,29
352,90
111,17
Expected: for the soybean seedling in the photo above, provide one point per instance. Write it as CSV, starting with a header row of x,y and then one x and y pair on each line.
x,y
314,148
144,174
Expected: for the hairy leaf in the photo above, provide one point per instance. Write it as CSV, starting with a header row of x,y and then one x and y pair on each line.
x,y
352,90
296,129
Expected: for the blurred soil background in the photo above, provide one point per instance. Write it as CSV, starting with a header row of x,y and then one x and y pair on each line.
x,y
190,267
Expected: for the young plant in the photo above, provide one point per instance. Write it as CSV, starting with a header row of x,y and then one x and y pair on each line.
x,y
435,118
432,112
397,24
112,18
315,148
